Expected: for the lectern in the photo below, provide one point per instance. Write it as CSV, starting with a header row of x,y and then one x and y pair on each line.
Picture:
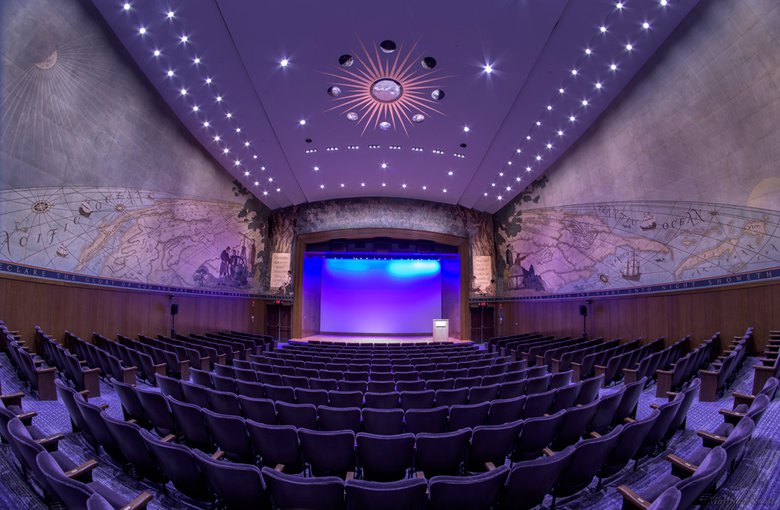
x,y
441,330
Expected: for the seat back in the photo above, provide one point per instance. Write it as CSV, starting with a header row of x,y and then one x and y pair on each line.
x,y
385,458
477,492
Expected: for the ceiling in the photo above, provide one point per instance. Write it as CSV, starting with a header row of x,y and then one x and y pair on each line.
x,y
252,82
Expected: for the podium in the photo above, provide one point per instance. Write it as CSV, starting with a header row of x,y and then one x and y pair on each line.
x,y
441,330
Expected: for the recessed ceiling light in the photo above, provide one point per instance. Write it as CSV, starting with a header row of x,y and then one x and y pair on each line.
x,y
384,165
528,169
574,72
486,193
403,186
316,169
142,30
183,92
184,39
466,129
362,184
561,91
237,162
238,130
538,157
342,184
169,14
493,184
229,115
508,188
527,137
302,122
549,146
257,183
664,3
603,29
265,193
126,7
444,190
450,173
284,62
156,53
206,123
216,138
219,99
195,108
598,85
518,151
560,133
538,122
425,187
619,5
384,184
246,173
613,67
254,156
646,25
629,47
518,178
208,81
572,118
262,168
488,68
500,197
196,60
584,102
246,144
588,51
170,73
270,179
225,150
549,107
322,186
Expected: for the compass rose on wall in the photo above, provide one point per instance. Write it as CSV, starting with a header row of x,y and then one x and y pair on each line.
x,y
387,88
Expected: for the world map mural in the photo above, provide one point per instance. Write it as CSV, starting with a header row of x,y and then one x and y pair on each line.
x,y
133,235
620,245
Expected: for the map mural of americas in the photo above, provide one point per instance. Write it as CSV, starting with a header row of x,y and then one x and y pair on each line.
x,y
132,235
605,246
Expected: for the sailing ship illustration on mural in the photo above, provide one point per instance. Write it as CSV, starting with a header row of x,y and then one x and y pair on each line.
x,y
631,271
648,222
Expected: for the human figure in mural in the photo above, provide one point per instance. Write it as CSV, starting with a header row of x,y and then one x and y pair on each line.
x,y
225,262
490,290
286,287
233,262
508,256
530,280
252,258
243,253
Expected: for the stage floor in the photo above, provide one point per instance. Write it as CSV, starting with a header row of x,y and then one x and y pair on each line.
x,y
374,339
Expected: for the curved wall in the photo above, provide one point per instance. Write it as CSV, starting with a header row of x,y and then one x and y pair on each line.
x,y
677,186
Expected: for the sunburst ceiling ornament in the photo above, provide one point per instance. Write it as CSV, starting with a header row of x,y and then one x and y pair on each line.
x,y
386,90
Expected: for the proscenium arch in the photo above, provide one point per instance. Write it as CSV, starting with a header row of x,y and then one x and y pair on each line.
x,y
303,240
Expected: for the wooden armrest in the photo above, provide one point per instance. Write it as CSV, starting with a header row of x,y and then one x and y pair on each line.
x,y
600,367
12,399
654,406
50,442
671,395
168,438
744,396
45,370
103,407
419,474
279,467
665,372
84,393
631,498
683,465
490,466
217,455
731,414
708,372
548,452
350,475
595,435
27,416
628,419
710,440
82,362
84,469
139,502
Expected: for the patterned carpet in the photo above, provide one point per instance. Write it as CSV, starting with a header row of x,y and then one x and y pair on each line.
x,y
755,484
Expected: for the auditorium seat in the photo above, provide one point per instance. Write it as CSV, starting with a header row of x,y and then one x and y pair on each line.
x,y
505,410
417,399
237,486
536,435
261,410
529,482
385,458
576,421
658,431
328,453
468,416
433,420
229,435
156,407
27,447
477,492
733,444
631,439
383,421
492,444
537,404
179,465
128,437
449,397
407,494
690,484
277,446
290,492
75,488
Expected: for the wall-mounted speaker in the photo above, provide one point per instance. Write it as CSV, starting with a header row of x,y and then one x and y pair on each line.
x,y
583,310
174,309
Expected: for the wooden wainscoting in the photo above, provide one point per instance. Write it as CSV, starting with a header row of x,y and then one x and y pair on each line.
x,y
729,310
83,309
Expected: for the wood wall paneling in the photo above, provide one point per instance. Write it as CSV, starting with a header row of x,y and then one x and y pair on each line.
x,y
83,309
729,310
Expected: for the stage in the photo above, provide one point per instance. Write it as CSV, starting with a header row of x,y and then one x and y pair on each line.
x,y
375,339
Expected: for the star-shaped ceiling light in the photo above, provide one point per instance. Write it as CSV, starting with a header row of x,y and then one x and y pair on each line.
x,y
386,89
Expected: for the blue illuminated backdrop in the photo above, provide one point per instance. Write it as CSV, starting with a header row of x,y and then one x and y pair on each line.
x,y
378,295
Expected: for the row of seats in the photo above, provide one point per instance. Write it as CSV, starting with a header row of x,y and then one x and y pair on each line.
x,y
28,367
566,357
613,367
723,371
647,366
107,364
769,365
149,407
686,367
73,369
